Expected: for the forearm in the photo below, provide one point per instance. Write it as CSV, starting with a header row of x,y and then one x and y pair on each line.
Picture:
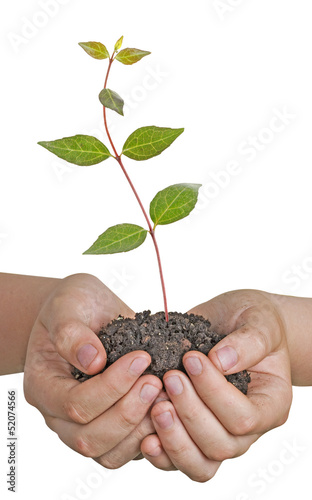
x,y
296,313
21,298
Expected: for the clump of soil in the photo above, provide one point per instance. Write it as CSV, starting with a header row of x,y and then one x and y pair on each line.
x,y
165,342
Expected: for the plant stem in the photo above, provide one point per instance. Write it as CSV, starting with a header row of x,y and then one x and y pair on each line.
x,y
150,227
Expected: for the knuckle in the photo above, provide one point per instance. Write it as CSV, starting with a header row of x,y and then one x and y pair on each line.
x,y
221,452
110,461
202,476
180,453
192,415
113,391
64,335
76,413
263,339
127,419
244,425
84,447
144,428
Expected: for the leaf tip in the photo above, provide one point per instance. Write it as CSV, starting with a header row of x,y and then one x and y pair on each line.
x,y
118,44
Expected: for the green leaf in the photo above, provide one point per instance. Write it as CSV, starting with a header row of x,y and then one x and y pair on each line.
x,y
95,49
83,150
131,56
118,44
112,100
173,203
120,238
147,142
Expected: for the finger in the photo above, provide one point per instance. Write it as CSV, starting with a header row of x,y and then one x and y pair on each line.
x,y
252,331
179,446
201,424
263,409
162,396
257,337
81,307
96,395
129,448
110,428
79,402
153,451
80,346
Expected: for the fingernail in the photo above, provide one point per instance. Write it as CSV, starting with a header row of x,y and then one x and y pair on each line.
x,y
138,366
160,398
174,385
228,357
86,355
164,420
155,452
148,393
193,365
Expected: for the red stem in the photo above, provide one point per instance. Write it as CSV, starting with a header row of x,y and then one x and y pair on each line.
x,y
150,227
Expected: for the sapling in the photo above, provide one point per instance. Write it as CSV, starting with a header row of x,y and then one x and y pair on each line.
x,y
169,205
166,337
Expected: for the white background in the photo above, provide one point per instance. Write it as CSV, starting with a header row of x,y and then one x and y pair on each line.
x,y
223,71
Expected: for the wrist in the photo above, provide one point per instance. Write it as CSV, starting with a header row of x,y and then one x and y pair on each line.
x,y
21,300
296,317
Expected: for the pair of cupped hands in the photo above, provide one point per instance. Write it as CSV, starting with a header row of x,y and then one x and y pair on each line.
x,y
190,423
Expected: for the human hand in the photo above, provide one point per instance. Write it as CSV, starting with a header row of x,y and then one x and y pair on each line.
x,y
208,420
104,417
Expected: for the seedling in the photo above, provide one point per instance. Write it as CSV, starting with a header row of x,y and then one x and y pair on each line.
x,y
165,337
169,205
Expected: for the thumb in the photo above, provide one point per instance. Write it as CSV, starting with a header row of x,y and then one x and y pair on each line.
x,y
243,348
80,346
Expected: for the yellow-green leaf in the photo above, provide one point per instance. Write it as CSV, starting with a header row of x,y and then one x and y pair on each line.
x,y
173,203
83,150
118,44
147,142
131,56
95,49
119,238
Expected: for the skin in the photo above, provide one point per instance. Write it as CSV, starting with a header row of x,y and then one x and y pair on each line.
x,y
104,418
189,427
207,420
26,294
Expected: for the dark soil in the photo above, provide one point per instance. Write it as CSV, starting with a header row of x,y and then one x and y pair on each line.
x,y
165,342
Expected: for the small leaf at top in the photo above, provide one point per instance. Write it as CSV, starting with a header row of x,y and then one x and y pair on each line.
x,y
119,238
173,203
118,44
147,142
95,49
112,100
83,150
131,56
